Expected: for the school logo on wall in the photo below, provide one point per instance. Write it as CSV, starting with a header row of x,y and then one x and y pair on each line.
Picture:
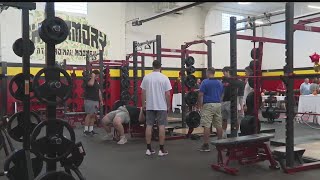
x,y
83,39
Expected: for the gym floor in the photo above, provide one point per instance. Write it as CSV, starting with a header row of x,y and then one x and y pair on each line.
x,y
107,160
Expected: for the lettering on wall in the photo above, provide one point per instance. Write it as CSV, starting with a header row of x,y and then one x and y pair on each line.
x,y
82,39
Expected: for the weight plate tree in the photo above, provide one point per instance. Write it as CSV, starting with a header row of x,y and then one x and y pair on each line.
x,y
125,95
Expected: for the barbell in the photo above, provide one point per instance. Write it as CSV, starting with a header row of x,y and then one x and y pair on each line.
x,y
193,119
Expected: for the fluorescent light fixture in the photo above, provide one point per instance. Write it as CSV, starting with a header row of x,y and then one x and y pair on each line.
x,y
314,7
259,22
243,3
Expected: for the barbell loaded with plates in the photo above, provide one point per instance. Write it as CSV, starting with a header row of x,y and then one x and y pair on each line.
x,y
53,30
52,87
193,119
270,113
248,125
15,165
17,47
257,55
191,98
190,70
19,81
189,61
16,125
190,81
58,145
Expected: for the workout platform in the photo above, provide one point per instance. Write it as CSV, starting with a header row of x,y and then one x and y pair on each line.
x,y
297,140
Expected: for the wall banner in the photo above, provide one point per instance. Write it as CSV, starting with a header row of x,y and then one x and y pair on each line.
x,y
82,39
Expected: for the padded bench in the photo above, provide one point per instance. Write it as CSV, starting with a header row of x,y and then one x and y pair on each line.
x,y
248,149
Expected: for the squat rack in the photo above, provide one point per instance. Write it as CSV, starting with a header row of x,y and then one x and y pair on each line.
x,y
288,79
3,89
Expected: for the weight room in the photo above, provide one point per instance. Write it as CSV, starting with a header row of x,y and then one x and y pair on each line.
x,y
57,57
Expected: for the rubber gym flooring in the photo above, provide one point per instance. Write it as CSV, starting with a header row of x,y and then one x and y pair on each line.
x,y
107,160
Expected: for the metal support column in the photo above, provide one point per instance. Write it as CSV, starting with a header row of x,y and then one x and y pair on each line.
x,y
101,111
142,66
158,47
233,73
290,82
183,104
4,89
135,72
209,52
50,58
26,97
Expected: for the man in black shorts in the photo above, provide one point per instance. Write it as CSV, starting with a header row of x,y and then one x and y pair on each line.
x,y
122,115
92,97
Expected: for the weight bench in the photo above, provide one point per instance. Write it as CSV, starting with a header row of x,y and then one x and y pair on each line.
x,y
248,149
75,117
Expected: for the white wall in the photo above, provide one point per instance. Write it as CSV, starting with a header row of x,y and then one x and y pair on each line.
x,y
305,43
106,17
221,48
174,31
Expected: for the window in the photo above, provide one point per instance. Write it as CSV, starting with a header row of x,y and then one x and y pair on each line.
x,y
73,7
226,21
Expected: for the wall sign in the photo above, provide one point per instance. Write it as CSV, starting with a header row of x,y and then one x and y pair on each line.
x,y
82,39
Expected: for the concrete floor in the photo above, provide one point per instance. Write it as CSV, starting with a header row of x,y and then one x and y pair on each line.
x,y
107,160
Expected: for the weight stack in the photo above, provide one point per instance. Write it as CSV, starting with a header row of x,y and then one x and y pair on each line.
x,y
125,95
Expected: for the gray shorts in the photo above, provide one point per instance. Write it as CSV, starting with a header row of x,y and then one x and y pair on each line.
x,y
91,107
156,115
225,110
122,113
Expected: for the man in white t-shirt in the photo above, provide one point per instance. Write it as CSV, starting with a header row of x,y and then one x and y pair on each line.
x,y
156,100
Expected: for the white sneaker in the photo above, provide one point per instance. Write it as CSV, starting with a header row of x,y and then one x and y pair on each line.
x,y
123,140
163,153
108,137
148,152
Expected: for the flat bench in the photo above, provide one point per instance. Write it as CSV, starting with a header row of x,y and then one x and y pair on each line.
x,y
75,117
248,149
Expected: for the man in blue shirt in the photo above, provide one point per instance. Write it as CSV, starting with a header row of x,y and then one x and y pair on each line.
x,y
305,87
209,101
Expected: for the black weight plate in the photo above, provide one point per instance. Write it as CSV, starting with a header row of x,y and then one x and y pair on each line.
x,y
125,96
190,70
191,81
257,55
76,158
248,125
193,119
251,65
53,30
56,175
44,91
191,98
59,144
16,86
125,83
17,47
15,165
189,61
17,132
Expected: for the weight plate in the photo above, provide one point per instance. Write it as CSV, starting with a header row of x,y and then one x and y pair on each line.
x,y
189,61
16,86
125,96
17,47
125,83
53,30
16,125
76,157
193,119
191,81
15,165
59,145
52,87
257,55
191,98
56,175
190,70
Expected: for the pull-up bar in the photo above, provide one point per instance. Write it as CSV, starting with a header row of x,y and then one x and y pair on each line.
x,y
179,51
264,15
260,39
146,42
